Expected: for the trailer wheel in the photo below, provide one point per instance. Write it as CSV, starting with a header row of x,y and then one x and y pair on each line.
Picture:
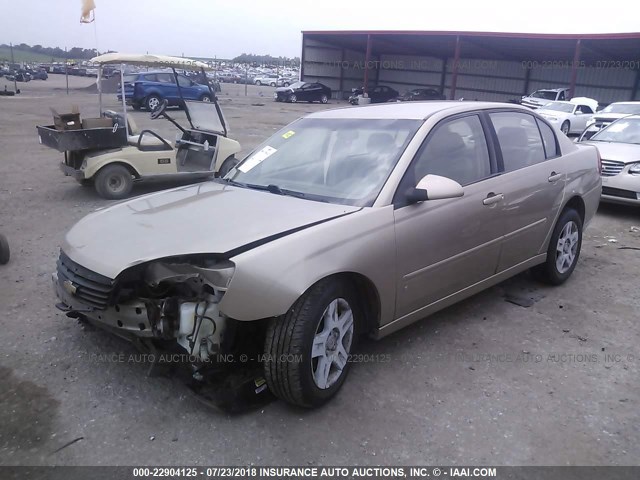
x,y
114,182
5,254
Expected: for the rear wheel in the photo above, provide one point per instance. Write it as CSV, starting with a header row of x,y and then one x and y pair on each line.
x,y
563,251
308,349
205,98
153,102
565,127
113,182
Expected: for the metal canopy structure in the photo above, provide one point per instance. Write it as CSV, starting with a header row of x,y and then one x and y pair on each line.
x,y
573,51
146,60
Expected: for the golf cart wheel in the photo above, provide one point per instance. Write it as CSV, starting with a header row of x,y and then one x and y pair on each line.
x,y
153,102
5,254
113,182
564,128
293,98
564,250
324,99
308,348
205,98
227,165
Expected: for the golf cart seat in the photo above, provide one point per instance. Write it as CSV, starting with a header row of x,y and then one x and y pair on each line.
x,y
150,141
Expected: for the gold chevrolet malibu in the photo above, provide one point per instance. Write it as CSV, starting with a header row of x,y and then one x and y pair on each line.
x,y
345,222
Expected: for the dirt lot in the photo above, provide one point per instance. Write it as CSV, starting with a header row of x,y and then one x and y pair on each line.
x,y
484,382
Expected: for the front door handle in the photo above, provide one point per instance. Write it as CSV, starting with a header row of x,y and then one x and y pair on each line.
x,y
492,198
554,177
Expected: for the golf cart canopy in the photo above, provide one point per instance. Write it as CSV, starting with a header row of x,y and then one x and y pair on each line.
x,y
150,61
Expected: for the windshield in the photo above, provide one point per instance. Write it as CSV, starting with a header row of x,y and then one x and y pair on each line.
x,y
626,130
296,85
559,107
545,94
629,108
344,161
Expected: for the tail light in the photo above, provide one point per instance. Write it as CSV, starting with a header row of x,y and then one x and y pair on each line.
x,y
599,161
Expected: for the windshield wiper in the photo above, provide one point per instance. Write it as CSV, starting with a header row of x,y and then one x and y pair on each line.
x,y
272,188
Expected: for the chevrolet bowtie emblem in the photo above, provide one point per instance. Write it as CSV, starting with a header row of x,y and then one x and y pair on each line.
x,y
70,287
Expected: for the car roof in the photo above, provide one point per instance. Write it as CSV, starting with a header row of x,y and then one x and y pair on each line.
x,y
625,103
412,110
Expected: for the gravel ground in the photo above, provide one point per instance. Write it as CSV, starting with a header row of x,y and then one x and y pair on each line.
x,y
484,382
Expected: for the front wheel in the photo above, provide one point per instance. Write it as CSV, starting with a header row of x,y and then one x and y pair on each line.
x,y
324,99
272,84
307,350
113,182
205,98
258,82
293,98
563,251
227,166
565,128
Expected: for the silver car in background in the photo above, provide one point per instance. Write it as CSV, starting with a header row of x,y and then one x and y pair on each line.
x,y
343,223
619,146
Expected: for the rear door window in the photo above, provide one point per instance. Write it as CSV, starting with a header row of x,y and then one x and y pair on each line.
x,y
520,141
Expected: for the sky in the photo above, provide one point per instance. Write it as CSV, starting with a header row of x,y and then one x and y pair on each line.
x,y
225,29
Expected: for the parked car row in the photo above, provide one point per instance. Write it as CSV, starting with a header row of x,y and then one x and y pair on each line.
x,y
383,93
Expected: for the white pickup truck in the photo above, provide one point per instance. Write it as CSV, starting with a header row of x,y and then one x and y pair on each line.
x,y
541,97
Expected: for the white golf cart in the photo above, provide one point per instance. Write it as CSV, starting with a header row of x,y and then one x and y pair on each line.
x,y
111,153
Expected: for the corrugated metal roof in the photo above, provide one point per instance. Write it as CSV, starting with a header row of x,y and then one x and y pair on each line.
x,y
594,47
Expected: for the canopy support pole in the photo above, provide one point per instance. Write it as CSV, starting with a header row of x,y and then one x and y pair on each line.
x,y
100,88
367,56
124,102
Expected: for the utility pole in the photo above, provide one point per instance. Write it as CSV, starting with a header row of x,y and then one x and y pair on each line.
x,y
15,84
66,68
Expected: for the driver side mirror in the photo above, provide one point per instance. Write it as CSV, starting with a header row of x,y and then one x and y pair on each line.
x,y
434,187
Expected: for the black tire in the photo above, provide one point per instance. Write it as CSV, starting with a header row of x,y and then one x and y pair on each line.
x,y
289,340
258,82
205,98
549,272
5,253
272,84
285,84
152,102
113,182
324,99
227,165
292,98
565,127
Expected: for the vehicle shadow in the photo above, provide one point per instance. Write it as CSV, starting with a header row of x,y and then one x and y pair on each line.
x,y
620,212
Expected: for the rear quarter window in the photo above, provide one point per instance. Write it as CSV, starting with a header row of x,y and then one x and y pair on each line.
x,y
548,139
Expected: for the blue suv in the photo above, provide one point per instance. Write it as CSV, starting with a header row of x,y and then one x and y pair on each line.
x,y
149,89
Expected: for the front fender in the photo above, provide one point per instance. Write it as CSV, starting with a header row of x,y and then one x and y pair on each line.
x,y
271,277
226,148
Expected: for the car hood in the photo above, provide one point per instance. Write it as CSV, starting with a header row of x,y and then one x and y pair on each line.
x,y
552,113
209,217
284,90
619,152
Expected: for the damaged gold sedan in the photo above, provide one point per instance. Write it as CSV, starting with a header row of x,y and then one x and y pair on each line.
x,y
346,222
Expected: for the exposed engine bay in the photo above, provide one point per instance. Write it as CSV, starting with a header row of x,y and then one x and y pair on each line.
x,y
171,305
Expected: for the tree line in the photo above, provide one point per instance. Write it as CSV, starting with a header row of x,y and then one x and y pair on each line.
x,y
76,53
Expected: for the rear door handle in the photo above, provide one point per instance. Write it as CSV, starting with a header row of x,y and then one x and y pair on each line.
x,y
492,198
554,177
